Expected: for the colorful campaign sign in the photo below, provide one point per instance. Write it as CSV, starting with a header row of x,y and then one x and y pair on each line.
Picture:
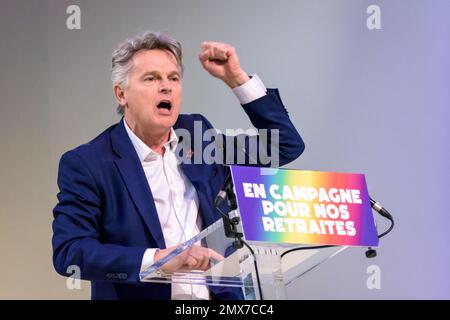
x,y
304,207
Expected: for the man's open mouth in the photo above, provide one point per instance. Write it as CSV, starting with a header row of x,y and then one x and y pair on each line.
x,y
164,104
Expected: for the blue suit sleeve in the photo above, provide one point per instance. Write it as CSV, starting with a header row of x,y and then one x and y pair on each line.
x,y
277,143
76,229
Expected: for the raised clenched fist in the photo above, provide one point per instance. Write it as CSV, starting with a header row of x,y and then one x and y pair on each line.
x,y
221,61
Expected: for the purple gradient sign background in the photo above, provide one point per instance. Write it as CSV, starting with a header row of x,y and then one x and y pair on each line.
x,y
304,229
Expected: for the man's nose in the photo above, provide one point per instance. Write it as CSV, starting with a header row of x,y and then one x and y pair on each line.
x,y
165,86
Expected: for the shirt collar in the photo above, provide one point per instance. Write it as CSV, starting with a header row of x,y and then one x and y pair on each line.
x,y
145,153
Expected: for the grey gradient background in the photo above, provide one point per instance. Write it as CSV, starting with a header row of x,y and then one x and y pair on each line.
x,y
374,102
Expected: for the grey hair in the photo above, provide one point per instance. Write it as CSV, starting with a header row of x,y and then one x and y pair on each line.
x,y
122,57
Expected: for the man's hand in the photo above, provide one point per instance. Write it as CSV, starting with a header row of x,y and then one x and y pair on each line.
x,y
221,61
194,258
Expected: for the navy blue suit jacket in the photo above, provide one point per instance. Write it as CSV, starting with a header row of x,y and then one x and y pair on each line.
x,y
106,218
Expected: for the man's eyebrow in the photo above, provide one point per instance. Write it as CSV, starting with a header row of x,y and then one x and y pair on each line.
x,y
155,73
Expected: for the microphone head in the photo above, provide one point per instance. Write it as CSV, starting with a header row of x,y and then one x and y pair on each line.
x,y
221,196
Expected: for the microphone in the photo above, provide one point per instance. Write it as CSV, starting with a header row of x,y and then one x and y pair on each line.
x,y
379,208
230,219
222,195
371,253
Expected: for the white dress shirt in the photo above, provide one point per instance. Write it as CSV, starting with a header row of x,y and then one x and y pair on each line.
x,y
175,197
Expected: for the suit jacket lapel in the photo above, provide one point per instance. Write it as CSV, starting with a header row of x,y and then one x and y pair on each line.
x,y
192,171
134,177
194,174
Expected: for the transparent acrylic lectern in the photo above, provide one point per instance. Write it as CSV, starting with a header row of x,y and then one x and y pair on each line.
x,y
237,269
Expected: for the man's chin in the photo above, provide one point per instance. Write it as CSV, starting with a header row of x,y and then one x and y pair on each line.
x,y
168,122
165,124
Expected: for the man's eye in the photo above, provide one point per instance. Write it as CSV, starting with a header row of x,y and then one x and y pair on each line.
x,y
149,79
175,79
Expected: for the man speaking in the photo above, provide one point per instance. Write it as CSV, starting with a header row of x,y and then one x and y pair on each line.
x,y
126,200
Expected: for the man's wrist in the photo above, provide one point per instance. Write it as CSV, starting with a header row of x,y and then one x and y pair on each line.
x,y
149,258
156,256
238,80
251,90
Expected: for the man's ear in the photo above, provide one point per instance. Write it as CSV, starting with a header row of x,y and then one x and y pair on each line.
x,y
119,93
